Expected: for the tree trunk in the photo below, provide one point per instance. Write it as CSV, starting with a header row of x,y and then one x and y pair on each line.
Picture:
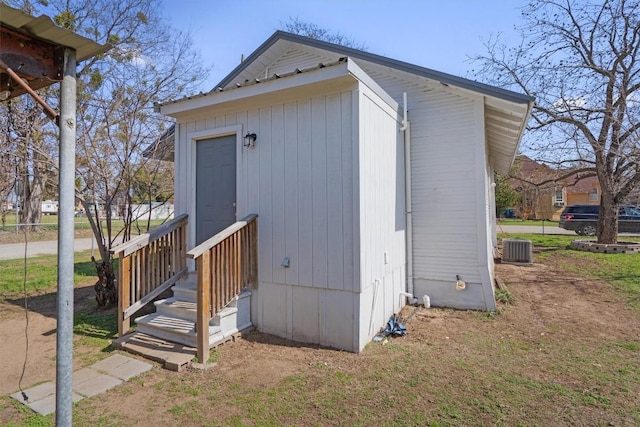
x,y
607,230
32,203
105,287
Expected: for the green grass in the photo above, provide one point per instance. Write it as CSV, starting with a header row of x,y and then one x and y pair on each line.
x,y
48,222
41,273
505,297
96,327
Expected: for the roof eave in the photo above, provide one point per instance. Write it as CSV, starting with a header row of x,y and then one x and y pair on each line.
x,y
445,78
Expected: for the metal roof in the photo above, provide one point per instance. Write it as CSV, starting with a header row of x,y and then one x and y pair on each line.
x,y
252,82
43,28
460,82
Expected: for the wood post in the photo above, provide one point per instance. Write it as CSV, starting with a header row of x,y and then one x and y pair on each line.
x,y
203,311
124,292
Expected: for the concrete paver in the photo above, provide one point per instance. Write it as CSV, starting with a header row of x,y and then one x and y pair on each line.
x,y
87,382
122,367
94,383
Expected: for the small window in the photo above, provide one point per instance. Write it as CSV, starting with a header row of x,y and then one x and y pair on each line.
x,y
559,198
593,195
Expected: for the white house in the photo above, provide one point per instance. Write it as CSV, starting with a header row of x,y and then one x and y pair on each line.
x,y
372,179
152,211
49,207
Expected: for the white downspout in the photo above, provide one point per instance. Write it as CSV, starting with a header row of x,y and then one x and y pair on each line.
x,y
406,128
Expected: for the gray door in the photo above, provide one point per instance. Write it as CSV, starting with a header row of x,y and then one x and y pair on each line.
x,y
215,186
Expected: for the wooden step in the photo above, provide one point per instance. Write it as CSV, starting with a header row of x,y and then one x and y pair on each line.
x,y
174,307
174,329
186,291
174,320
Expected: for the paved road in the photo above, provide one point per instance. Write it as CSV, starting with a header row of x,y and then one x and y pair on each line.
x,y
16,250
551,228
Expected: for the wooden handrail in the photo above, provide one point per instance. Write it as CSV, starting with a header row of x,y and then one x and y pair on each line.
x,y
224,234
225,265
148,265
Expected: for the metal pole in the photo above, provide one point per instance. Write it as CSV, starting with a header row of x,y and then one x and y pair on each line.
x,y
67,170
17,213
18,191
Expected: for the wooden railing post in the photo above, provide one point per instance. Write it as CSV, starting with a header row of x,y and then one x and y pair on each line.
x,y
253,257
124,292
203,311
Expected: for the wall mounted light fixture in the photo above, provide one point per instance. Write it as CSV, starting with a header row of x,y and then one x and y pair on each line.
x,y
250,139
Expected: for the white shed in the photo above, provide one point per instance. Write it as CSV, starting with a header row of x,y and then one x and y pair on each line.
x,y
320,141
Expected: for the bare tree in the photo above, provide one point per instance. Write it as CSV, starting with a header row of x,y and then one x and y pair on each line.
x,y
581,61
7,163
29,146
148,62
297,26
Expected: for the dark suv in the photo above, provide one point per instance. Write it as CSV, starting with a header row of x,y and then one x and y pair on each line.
x,y
583,219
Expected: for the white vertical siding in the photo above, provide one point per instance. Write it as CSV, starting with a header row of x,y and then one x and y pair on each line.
x,y
319,191
291,192
179,180
264,151
381,202
305,201
299,179
335,177
277,187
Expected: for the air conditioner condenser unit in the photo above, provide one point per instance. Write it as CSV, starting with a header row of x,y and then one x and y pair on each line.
x,y
517,251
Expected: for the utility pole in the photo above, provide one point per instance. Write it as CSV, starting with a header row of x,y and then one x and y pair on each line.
x,y
67,168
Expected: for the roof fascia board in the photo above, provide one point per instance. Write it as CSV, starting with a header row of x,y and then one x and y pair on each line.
x,y
365,79
215,98
450,79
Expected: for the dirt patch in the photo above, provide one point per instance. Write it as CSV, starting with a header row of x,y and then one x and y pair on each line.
x,y
552,358
39,325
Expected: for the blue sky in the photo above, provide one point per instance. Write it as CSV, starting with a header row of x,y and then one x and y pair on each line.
x,y
437,34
